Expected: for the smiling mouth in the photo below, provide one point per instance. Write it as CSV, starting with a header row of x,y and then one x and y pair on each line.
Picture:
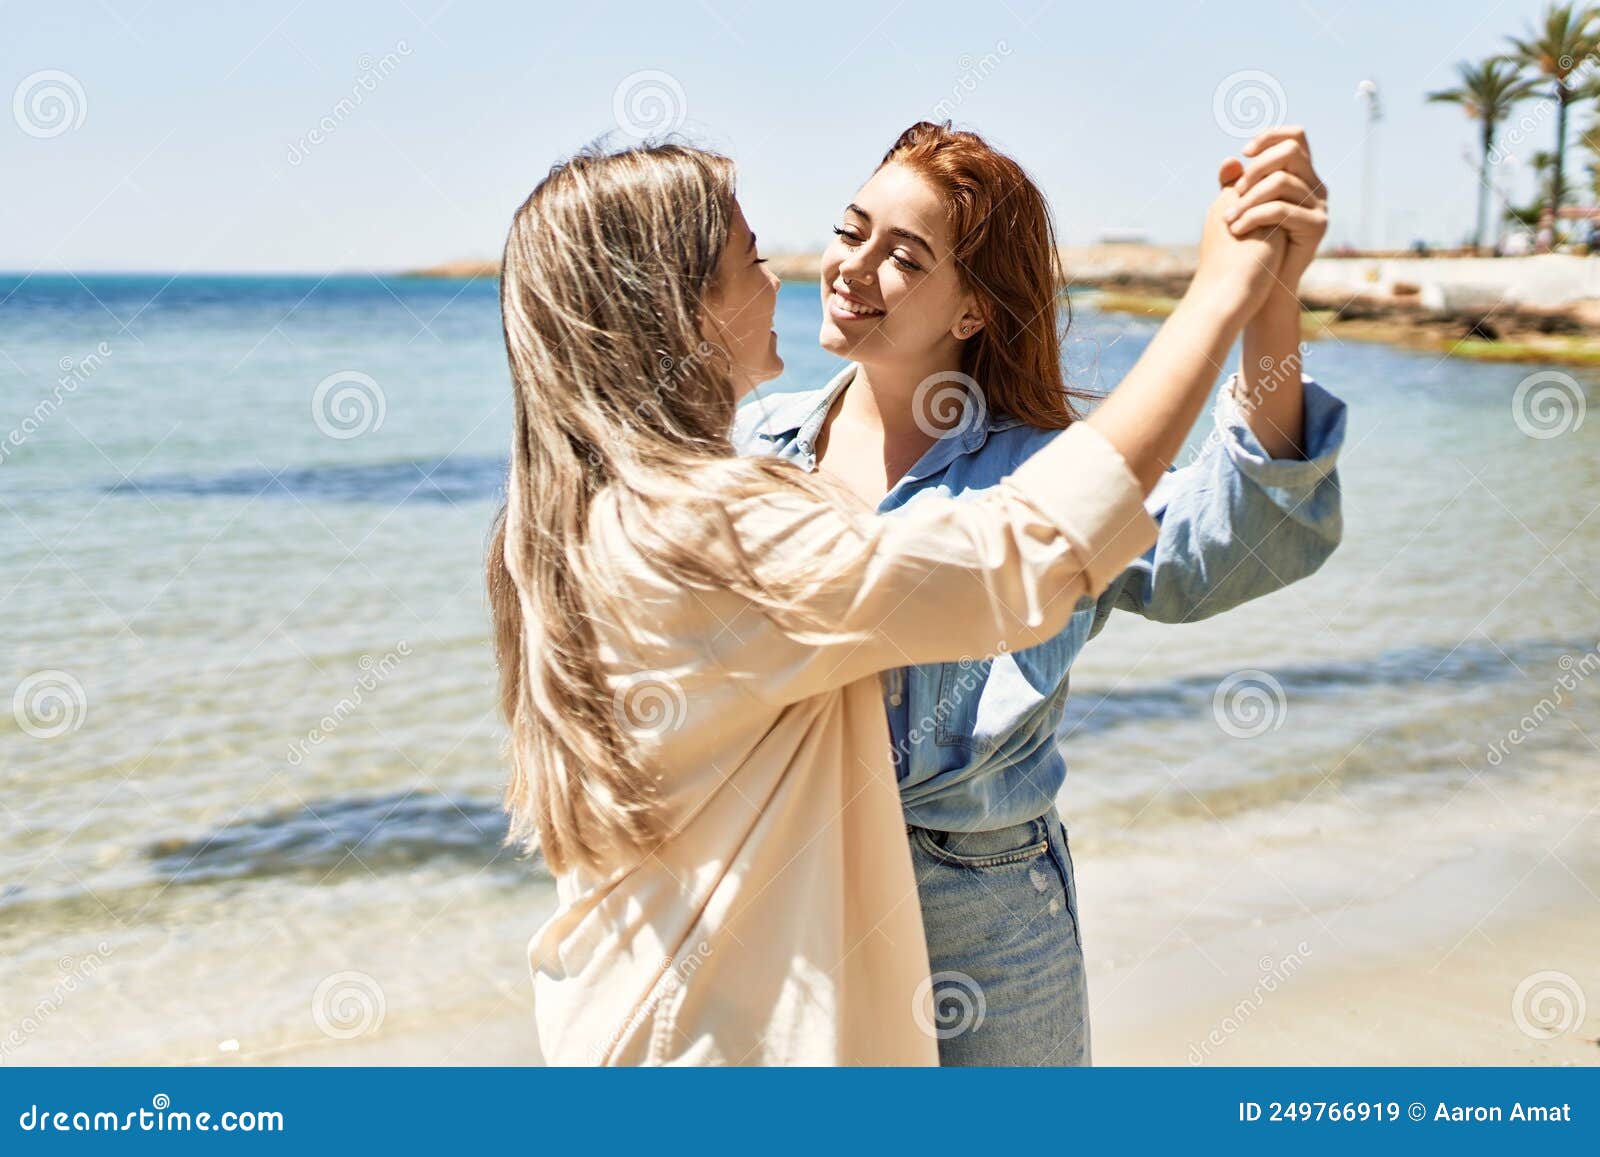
x,y
846,310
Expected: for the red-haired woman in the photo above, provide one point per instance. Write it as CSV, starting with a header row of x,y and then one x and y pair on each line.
x,y
941,289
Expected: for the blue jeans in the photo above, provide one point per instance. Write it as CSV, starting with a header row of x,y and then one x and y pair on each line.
x,y
1000,910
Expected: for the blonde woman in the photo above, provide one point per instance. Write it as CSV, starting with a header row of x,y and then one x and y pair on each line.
x,y
689,641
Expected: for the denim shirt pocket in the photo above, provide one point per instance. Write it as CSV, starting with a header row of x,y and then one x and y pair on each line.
x,y
981,701
955,708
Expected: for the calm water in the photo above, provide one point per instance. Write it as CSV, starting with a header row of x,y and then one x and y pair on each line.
x,y
249,776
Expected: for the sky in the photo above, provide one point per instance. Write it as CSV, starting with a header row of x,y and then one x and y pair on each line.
x,y
284,136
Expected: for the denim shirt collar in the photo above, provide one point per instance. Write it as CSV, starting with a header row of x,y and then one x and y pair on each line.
x,y
798,419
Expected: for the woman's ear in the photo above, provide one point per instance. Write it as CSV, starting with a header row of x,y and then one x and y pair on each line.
x,y
968,324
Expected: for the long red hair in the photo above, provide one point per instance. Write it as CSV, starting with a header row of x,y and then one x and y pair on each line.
x,y
1005,252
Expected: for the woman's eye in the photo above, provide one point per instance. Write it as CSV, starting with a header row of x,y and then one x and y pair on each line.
x,y
849,236
906,263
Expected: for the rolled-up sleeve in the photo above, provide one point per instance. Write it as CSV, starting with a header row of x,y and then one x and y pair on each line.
x,y
1237,523
942,579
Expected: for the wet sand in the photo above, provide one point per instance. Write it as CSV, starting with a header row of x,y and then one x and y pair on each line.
x,y
1416,965
1426,975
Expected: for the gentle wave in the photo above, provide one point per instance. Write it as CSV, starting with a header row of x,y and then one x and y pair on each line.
x,y
1091,712
454,480
356,834
399,830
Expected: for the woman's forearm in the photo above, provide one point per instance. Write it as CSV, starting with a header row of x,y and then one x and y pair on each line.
x,y
1148,416
1270,396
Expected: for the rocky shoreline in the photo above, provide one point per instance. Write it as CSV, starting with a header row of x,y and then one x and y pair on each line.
x,y
1565,335
1362,299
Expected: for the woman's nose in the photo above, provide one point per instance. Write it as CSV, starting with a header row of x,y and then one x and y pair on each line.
x,y
855,267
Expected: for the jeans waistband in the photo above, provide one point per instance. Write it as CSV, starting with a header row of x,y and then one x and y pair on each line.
x,y
998,840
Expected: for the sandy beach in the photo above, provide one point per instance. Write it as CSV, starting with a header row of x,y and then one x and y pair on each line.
x,y
1418,979
1424,974
1408,958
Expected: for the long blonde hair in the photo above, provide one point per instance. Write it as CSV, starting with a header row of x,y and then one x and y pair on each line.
x,y
617,392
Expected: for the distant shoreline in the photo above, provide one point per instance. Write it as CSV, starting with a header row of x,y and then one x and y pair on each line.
x,y
1543,309
1084,264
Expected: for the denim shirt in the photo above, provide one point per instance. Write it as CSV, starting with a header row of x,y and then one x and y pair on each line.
x,y
974,740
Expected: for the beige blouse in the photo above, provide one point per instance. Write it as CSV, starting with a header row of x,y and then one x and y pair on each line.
x,y
780,924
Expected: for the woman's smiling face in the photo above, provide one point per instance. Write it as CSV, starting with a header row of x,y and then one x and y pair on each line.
x,y
890,287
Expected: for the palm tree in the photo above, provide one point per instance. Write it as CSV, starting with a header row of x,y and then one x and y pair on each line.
x,y
1589,140
1487,92
1565,44
1533,212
